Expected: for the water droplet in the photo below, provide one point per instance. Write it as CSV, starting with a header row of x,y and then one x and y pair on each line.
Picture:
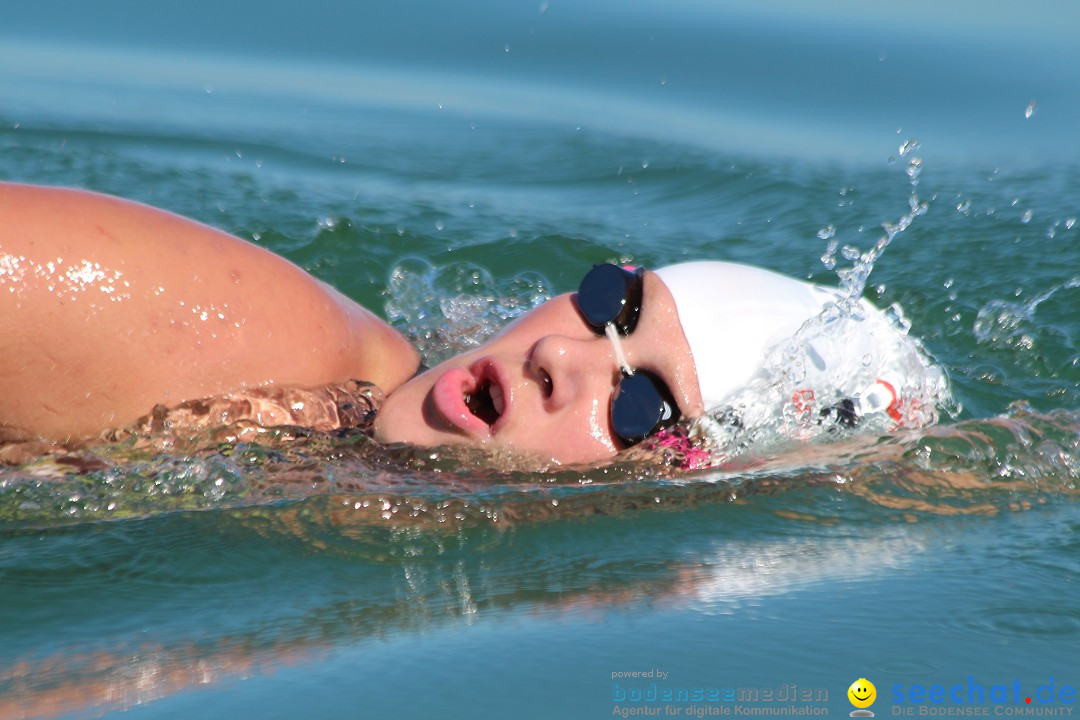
x,y
1069,222
909,147
827,232
914,168
948,283
258,162
964,207
506,47
644,164
1030,109
1026,217
663,80
209,88
881,56
439,225
543,8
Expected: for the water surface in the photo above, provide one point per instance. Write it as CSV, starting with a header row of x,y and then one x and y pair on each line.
x,y
484,155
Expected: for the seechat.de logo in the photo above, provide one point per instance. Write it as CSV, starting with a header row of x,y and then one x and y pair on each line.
x,y
862,695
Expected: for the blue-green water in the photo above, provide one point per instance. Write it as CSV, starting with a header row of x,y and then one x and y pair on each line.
x,y
328,578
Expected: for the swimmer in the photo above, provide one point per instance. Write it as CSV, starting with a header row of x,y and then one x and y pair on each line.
x,y
109,308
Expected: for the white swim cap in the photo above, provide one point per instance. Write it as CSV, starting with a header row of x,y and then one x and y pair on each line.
x,y
732,315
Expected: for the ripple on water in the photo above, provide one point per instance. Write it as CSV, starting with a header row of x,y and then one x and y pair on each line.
x,y
1017,621
135,553
906,667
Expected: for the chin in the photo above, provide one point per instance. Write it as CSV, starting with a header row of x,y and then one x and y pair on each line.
x,y
401,417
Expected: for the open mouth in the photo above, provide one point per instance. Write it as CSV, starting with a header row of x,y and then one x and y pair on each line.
x,y
472,400
486,402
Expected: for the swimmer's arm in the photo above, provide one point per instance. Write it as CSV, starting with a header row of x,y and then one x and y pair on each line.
x,y
108,308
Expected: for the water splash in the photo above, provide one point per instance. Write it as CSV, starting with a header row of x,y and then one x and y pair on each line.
x,y
339,491
853,279
449,309
1007,325
850,368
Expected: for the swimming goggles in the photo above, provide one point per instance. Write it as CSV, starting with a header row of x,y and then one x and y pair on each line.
x,y
609,300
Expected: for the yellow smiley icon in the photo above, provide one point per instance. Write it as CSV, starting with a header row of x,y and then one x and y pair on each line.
x,y
862,693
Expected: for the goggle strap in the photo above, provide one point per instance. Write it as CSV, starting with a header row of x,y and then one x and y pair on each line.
x,y
616,344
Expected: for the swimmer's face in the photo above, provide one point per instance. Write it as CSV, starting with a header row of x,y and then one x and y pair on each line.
x,y
546,383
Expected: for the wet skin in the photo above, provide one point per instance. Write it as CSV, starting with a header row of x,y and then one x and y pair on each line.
x,y
109,307
552,378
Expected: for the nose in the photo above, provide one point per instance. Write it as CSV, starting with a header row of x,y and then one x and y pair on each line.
x,y
576,368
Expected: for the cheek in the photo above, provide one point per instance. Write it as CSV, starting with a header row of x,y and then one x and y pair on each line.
x,y
401,418
599,432
581,437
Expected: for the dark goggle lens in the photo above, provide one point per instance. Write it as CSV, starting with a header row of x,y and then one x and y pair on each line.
x,y
642,405
610,294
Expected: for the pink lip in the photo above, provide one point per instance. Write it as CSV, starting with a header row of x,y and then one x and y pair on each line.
x,y
448,396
